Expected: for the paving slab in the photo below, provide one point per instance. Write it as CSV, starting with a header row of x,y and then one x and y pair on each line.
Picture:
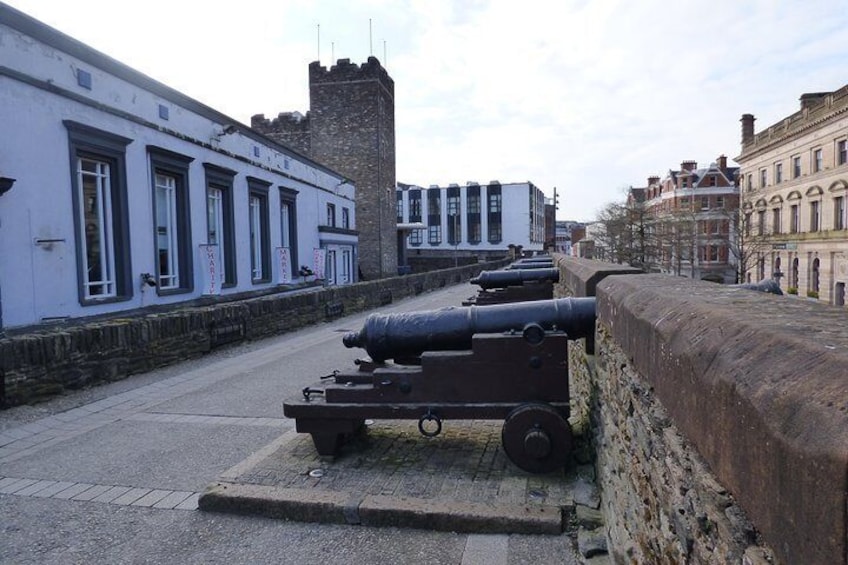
x,y
390,475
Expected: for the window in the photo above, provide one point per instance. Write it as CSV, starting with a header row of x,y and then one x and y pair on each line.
x,y
434,234
713,180
839,213
761,222
796,166
778,173
260,255
794,219
454,216
817,160
347,265
434,202
98,180
288,226
814,215
331,215
415,237
814,278
219,219
172,233
750,183
720,202
495,233
414,205
842,152
763,178
399,207
747,224
775,220
346,218
473,202
494,203
716,227
705,202
713,253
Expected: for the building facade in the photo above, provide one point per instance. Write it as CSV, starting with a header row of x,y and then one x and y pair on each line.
x,y
124,193
473,220
350,127
685,222
794,186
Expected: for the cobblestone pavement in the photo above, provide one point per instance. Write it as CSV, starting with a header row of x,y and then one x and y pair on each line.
x,y
113,474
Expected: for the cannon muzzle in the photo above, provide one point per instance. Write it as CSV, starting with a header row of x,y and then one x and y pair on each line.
x,y
769,286
517,277
390,336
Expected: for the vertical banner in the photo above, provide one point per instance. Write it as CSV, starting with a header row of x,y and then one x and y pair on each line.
x,y
319,256
210,268
284,263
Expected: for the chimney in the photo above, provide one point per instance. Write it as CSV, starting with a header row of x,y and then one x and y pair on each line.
x,y
688,166
747,128
722,162
653,180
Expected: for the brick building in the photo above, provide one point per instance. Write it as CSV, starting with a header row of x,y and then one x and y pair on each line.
x,y
794,181
684,223
350,127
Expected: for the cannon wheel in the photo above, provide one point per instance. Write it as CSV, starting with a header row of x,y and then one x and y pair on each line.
x,y
537,438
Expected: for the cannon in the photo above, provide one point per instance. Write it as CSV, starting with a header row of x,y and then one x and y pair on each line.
x,y
534,264
507,361
520,285
770,286
516,277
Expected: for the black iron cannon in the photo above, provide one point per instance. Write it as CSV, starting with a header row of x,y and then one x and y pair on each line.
x,y
505,362
517,277
538,264
770,286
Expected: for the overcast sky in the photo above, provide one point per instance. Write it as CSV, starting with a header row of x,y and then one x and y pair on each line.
x,y
587,96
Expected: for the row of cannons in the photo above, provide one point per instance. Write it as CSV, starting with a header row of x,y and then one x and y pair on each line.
x,y
501,356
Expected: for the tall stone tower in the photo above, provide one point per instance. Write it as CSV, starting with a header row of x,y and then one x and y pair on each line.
x,y
350,127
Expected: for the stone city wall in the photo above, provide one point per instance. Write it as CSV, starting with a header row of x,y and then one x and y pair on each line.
x,y
719,419
49,361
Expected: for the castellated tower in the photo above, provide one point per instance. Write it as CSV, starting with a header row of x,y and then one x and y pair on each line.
x,y
350,127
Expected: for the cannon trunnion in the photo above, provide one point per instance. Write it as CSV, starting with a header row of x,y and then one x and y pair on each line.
x,y
485,363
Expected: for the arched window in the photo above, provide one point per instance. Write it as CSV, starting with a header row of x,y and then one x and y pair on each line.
x,y
776,274
793,275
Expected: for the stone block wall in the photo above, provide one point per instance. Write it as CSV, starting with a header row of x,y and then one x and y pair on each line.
x,y
719,420
49,361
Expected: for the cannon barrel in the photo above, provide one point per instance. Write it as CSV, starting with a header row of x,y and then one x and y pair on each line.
x,y
769,286
390,336
531,265
516,277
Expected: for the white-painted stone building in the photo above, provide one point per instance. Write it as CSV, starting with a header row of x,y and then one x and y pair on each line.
x,y
120,193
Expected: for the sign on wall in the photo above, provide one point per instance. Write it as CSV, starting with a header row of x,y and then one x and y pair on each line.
x,y
210,268
284,263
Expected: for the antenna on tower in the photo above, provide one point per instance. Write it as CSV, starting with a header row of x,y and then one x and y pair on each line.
x,y
370,42
332,51
385,59
319,43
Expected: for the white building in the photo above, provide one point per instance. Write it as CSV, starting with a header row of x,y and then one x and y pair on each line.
x,y
473,219
128,194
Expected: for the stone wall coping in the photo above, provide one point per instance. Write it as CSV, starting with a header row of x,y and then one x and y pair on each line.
x,y
757,383
583,275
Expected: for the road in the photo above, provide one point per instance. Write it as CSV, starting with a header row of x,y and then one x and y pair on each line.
x,y
111,474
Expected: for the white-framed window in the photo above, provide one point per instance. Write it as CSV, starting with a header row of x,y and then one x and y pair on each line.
x,y
97,223
705,203
778,173
331,215
841,151
720,202
256,273
434,234
347,266
416,237
818,161
259,230
99,188
839,213
796,166
167,242
288,226
815,215
285,224
215,224
346,218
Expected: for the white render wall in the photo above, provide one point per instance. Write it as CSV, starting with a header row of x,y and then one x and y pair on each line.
x,y
38,252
